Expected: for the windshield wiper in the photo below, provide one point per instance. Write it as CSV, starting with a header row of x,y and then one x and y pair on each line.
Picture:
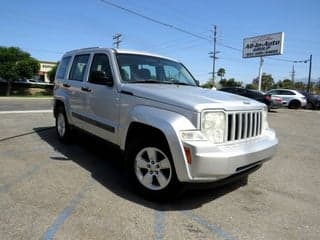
x,y
184,84
162,82
150,81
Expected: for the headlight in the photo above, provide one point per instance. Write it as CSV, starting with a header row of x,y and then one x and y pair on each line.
x,y
265,124
213,126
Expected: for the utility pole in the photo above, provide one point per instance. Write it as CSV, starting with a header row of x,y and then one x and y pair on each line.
x,y
293,72
213,54
260,73
117,40
309,78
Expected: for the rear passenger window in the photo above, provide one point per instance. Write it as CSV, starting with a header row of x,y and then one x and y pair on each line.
x,y
79,67
284,92
63,66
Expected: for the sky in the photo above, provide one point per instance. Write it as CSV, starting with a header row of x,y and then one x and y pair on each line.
x,y
47,29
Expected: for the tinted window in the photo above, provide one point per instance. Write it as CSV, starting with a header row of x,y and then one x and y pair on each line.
x,y
284,92
230,90
100,63
254,94
63,66
79,67
141,68
241,91
274,92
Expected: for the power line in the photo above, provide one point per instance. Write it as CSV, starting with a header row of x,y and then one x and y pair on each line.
x,y
107,2
230,47
154,20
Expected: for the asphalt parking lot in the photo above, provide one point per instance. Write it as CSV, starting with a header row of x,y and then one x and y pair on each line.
x,y
49,190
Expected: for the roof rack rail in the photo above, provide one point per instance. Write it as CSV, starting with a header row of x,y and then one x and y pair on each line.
x,y
79,49
87,48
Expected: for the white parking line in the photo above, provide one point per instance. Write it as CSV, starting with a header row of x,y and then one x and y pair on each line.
x,y
27,111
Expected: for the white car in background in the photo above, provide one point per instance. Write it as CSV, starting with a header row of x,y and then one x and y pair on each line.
x,y
290,98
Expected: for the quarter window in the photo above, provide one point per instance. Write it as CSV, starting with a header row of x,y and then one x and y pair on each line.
x,y
79,67
63,66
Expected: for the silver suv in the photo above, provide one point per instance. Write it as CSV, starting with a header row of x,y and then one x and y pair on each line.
x,y
290,98
170,130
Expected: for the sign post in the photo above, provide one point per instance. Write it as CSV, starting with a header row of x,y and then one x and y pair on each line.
x,y
260,46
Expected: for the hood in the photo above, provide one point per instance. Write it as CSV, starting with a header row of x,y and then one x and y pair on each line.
x,y
189,97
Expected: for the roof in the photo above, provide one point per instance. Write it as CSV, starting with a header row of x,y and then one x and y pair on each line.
x,y
124,51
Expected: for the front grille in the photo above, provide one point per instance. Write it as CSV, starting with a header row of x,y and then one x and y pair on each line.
x,y
243,125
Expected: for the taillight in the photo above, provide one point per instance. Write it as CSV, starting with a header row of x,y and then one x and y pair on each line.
x,y
268,97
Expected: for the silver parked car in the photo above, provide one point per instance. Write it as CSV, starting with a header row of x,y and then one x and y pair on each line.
x,y
290,98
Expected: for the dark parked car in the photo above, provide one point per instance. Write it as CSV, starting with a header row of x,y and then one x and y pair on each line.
x,y
249,93
313,100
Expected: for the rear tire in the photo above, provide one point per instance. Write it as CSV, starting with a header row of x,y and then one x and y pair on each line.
x,y
62,125
151,170
294,104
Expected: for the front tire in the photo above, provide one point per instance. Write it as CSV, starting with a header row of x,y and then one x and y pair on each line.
x,y
151,170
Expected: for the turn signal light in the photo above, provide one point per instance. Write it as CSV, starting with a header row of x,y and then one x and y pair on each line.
x,y
188,154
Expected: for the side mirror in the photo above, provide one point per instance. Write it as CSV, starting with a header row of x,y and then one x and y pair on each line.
x,y
99,77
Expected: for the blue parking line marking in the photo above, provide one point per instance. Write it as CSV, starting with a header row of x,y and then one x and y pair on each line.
x,y
5,188
66,213
215,229
159,225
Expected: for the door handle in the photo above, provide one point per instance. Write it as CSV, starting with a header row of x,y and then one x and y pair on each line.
x,y
86,89
66,85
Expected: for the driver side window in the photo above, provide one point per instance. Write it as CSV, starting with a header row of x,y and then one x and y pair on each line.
x,y
101,65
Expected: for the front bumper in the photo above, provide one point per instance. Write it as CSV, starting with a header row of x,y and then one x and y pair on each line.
x,y
214,162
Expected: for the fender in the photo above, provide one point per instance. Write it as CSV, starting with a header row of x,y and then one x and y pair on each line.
x,y
62,99
170,124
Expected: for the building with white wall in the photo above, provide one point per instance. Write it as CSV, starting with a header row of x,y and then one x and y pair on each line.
x,y
45,67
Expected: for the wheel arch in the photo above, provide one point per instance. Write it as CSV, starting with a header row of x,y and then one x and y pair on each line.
x,y
56,105
294,104
149,121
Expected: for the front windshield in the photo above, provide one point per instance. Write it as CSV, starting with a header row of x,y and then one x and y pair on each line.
x,y
146,69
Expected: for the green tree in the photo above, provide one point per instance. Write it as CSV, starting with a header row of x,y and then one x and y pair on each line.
x,y
52,73
221,72
16,64
230,83
266,82
251,86
301,86
288,84
208,84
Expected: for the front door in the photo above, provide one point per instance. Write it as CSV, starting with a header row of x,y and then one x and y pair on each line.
x,y
102,101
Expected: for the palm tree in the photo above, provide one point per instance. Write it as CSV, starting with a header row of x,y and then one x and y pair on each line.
x,y
221,72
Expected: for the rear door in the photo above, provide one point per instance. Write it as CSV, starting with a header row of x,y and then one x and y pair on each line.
x,y
75,84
